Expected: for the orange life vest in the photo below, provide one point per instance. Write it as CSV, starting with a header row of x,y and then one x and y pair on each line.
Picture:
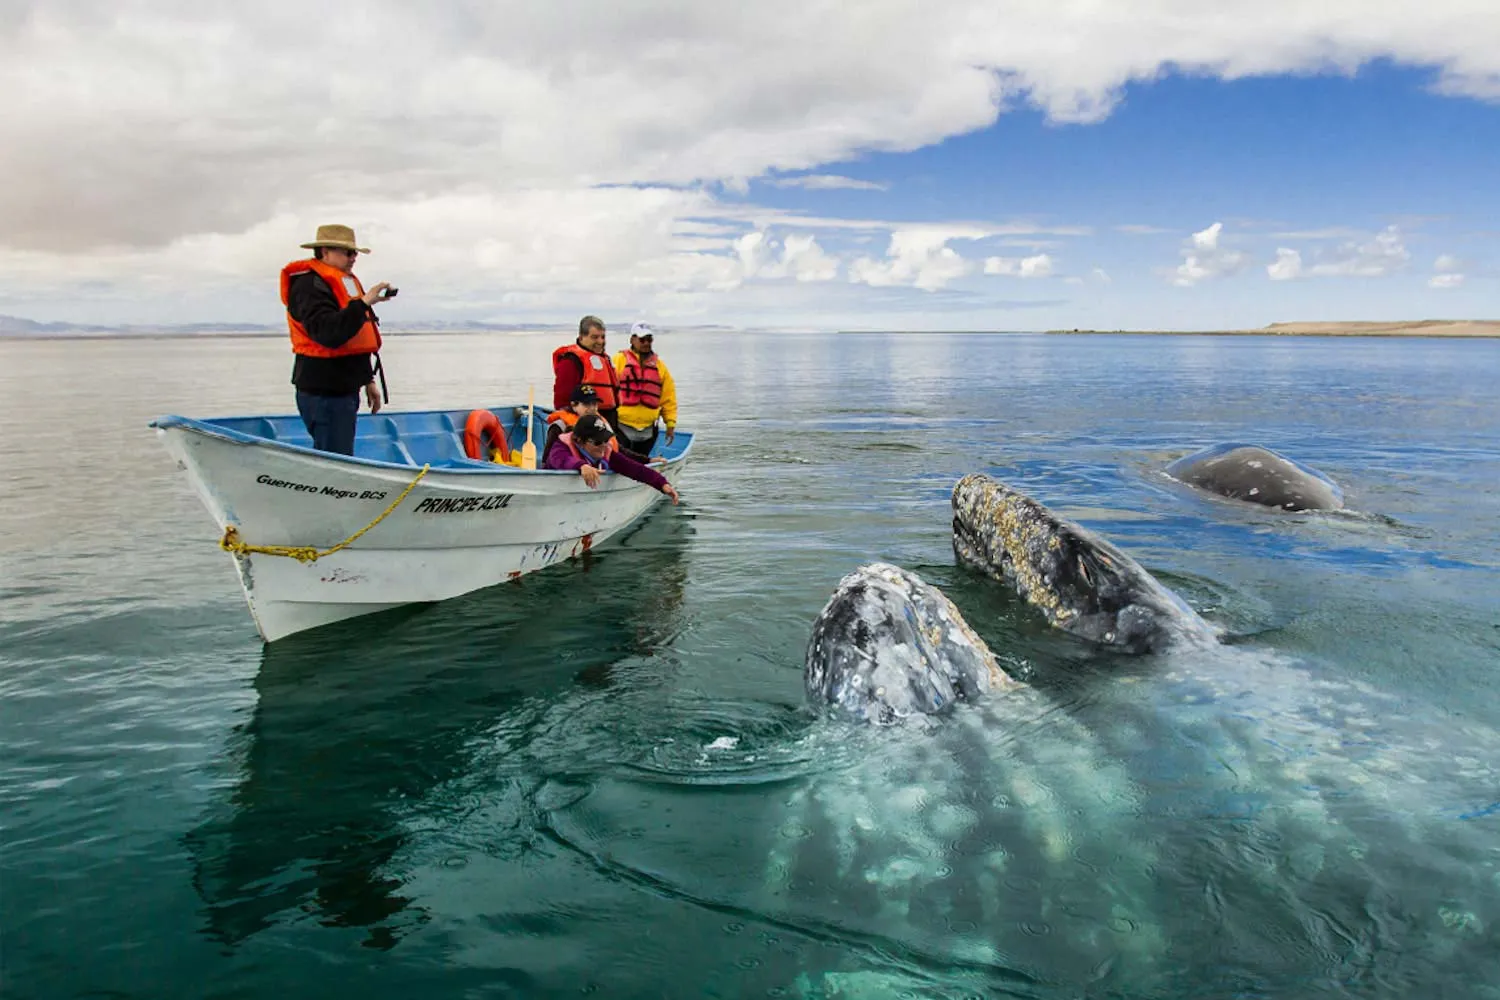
x,y
565,417
584,456
640,382
598,371
366,341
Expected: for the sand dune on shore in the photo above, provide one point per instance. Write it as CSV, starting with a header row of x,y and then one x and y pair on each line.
x,y
1395,328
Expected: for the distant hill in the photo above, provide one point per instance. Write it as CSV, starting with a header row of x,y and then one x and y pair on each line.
x,y
16,326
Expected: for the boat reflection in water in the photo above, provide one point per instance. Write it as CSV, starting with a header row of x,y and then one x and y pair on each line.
x,y
357,722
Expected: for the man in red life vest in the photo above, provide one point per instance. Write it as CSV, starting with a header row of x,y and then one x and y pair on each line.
x,y
584,362
335,337
647,394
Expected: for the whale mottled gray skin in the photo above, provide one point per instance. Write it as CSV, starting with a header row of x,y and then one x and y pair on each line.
x,y
1257,475
888,645
1079,581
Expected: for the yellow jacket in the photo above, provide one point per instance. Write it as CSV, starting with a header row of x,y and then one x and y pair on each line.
x,y
644,416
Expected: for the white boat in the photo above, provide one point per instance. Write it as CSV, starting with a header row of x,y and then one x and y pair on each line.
x,y
439,524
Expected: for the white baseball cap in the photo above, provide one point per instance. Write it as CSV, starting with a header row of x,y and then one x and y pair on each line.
x,y
641,330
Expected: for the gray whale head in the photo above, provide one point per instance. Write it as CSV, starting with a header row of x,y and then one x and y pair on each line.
x,y
888,645
1080,582
1257,475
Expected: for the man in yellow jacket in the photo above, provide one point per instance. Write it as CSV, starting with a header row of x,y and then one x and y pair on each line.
x,y
646,394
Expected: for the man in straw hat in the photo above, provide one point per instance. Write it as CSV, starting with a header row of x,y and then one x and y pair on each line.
x,y
335,337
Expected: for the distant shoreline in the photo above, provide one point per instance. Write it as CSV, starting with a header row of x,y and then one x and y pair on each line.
x,y
1416,328
1452,329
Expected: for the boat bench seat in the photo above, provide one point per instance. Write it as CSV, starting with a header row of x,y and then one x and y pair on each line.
x,y
432,437
289,430
435,442
433,447
382,450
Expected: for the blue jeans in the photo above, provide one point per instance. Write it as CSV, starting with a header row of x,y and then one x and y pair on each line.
x,y
330,420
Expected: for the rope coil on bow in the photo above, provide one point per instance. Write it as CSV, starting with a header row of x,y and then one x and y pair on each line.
x,y
310,553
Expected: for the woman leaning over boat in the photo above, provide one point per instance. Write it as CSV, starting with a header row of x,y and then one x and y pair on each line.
x,y
591,449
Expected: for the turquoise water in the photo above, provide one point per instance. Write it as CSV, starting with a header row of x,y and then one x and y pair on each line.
x,y
605,779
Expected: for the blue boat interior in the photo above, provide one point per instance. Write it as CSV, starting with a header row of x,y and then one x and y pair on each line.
x,y
411,438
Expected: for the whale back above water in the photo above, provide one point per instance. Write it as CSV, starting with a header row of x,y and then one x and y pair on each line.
x,y
888,645
1082,584
1257,475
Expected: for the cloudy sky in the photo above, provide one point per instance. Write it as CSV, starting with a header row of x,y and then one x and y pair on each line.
x,y
881,164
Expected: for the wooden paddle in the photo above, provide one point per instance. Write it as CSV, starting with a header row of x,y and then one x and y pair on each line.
x,y
528,450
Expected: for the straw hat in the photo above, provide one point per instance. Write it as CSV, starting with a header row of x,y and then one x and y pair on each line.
x,y
335,236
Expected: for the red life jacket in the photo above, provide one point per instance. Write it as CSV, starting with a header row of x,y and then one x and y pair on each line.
x,y
366,341
640,382
584,456
598,371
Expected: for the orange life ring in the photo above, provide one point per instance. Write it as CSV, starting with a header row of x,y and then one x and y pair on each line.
x,y
479,424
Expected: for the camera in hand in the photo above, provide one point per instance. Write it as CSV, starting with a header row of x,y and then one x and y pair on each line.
x,y
390,293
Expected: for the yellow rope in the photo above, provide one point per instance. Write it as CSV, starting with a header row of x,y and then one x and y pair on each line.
x,y
309,553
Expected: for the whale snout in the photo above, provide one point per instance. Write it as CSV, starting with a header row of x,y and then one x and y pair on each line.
x,y
985,522
1080,582
888,645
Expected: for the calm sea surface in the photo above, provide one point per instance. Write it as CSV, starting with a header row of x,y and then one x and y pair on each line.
x,y
605,779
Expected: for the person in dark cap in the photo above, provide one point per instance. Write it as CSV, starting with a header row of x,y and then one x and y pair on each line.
x,y
583,402
590,448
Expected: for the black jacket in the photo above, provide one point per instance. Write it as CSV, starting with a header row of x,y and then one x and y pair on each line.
x,y
310,302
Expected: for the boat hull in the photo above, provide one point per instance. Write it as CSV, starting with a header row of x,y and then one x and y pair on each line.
x,y
456,531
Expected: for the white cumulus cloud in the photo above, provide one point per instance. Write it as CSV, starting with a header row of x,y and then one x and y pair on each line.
x,y
1037,266
920,258
1288,265
1449,272
1203,258
800,257
1372,257
806,261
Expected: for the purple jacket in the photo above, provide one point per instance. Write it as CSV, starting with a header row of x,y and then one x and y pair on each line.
x,y
559,456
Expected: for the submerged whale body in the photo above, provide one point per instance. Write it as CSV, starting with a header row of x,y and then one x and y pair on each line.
x,y
889,645
1257,475
1080,582
1287,790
